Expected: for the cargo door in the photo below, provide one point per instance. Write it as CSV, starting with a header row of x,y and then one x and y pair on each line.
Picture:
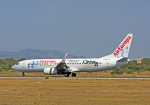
x,y
107,63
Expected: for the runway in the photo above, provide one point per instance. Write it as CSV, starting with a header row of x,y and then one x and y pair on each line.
x,y
81,77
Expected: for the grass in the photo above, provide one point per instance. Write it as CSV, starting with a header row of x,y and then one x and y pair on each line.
x,y
74,92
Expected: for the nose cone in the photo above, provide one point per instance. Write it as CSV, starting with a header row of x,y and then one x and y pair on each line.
x,y
13,67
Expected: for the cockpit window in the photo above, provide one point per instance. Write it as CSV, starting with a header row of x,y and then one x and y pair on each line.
x,y
17,63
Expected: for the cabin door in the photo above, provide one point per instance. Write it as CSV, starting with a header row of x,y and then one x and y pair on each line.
x,y
23,65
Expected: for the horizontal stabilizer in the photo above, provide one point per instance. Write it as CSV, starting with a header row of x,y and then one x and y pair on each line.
x,y
123,60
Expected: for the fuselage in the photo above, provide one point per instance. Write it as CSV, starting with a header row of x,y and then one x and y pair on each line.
x,y
76,65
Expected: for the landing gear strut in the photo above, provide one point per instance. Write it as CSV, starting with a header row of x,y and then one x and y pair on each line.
x,y
73,74
23,74
66,74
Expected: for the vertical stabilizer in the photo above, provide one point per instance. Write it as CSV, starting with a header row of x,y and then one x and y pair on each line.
x,y
64,58
122,51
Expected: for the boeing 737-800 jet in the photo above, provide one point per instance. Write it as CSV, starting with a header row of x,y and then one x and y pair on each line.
x,y
71,66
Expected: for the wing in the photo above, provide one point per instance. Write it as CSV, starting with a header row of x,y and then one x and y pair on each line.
x,y
62,65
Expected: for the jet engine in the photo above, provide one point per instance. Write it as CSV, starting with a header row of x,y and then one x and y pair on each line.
x,y
50,71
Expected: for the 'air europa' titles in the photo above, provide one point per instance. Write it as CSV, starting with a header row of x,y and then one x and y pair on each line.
x,y
47,61
122,46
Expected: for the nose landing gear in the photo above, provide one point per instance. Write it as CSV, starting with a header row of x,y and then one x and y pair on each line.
x,y
23,74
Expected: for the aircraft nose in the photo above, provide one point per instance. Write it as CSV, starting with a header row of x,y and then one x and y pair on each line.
x,y
13,67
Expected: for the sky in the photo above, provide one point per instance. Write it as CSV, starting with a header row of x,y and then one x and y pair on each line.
x,y
90,28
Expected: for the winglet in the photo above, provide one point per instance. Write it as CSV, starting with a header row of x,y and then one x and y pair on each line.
x,y
64,58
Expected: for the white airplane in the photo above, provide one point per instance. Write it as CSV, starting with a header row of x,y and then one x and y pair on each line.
x,y
71,66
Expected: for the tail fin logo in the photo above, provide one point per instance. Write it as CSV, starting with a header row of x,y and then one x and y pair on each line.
x,y
123,52
122,49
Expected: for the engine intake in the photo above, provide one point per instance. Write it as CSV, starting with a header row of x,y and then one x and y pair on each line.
x,y
50,71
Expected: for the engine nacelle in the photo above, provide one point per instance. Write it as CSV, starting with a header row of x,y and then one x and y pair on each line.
x,y
50,71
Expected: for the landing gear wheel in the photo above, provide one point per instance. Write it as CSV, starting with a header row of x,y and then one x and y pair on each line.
x,y
73,74
23,74
66,74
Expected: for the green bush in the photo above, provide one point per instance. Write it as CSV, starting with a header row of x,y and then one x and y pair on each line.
x,y
117,71
132,67
46,77
129,72
148,68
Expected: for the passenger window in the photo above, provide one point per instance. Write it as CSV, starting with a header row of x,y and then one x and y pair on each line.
x,y
17,63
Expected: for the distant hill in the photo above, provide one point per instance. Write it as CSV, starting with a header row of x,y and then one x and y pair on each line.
x,y
35,54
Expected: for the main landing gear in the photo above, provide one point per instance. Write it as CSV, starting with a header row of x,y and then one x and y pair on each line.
x,y
73,74
23,74
66,74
